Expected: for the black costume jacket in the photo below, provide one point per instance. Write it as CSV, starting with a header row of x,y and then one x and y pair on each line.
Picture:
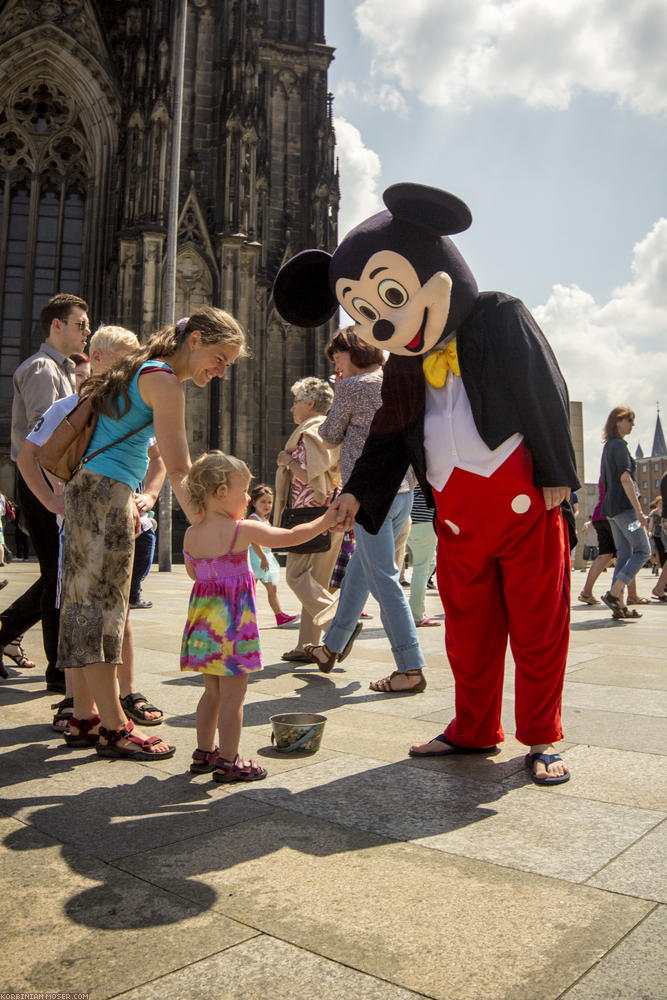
x,y
514,385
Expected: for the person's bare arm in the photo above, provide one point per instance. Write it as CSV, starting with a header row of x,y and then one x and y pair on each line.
x,y
164,393
31,471
153,481
266,534
261,555
631,494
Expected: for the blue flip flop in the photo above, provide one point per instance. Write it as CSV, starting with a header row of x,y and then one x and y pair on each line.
x,y
453,749
546,758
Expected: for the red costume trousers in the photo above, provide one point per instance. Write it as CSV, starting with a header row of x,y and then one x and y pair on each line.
x,y
503,572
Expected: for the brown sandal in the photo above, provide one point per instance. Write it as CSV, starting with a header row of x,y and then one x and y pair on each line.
x,y
384,685
327,664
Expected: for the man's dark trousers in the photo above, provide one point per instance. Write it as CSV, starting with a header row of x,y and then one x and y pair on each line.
x,y
39,601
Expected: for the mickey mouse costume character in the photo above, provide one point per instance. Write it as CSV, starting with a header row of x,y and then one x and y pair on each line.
x,y
474,400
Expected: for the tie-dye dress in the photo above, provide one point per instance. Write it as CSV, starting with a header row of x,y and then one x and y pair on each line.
x,y
221,635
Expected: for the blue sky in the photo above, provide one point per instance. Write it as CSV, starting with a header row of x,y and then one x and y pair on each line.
x,y
549,118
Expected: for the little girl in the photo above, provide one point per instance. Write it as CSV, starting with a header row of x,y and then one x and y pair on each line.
x,y
262,560
221,638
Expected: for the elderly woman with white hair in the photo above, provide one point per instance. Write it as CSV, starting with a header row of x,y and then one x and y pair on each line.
x,y
308,476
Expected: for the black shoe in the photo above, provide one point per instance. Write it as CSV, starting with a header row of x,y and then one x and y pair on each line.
x,y
140,605
56,684
3,583
347,648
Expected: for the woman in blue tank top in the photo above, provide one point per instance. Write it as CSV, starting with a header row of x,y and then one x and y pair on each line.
x,y
140,398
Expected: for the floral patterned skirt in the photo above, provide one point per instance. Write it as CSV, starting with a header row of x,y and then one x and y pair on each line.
x,y
97,568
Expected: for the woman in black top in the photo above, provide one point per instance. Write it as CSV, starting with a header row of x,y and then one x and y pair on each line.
x,y
622,509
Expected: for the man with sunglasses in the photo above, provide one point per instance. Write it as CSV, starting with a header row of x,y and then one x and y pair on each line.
x,y
39,381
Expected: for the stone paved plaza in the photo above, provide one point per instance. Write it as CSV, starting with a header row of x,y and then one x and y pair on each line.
x,y
357,873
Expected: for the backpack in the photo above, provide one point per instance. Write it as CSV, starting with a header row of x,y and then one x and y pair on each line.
x,y
62,454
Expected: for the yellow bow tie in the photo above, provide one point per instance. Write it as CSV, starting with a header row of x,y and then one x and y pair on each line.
x,y
437,364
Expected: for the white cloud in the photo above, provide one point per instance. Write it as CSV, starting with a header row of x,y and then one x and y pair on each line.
x,y
542,52
359,173
615,353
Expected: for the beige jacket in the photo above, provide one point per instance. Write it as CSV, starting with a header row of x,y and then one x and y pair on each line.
x,y
321,465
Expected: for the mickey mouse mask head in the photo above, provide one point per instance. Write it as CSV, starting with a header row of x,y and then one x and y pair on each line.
x,y
397,274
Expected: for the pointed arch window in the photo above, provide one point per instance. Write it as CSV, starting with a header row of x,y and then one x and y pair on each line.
x,y
44,171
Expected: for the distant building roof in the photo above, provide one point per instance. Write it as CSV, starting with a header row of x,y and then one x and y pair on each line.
x,y
639,453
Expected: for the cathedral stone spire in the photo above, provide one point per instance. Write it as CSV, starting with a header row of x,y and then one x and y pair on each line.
x,y
659,447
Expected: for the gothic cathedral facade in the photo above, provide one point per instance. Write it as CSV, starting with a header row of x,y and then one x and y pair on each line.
x,y
86,121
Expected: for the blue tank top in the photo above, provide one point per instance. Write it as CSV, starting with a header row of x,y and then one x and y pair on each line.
x,y
127,461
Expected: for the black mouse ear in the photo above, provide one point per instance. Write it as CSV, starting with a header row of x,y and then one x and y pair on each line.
x,y
438,211
301,291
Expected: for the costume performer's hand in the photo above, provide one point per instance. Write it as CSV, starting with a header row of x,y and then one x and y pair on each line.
x,y
347,506
553,495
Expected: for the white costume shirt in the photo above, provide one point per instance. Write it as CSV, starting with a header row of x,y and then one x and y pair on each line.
x,y
451,439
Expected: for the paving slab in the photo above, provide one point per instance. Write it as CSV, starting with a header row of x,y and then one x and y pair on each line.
x,y
266,967
609,698
643,670
84,926
635,970
283,873
485,821
640,870
618,730
623,776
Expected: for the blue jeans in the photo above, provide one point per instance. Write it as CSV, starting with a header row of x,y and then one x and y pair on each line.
x,y
632,547
372,568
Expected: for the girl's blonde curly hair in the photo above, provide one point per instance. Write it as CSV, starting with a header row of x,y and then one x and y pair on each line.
x,y
211,470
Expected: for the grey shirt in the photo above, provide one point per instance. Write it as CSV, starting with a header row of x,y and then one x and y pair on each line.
x,y
616,459
39,381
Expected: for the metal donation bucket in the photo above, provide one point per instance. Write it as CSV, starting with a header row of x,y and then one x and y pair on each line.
x,y
300,731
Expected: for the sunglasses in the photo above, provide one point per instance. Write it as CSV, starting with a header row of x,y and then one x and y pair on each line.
x,y
82,324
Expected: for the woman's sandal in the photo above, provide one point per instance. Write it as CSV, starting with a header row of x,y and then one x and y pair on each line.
x,y
136,705
15,651
63,716
84,738
384,685
324,657
630,614
612,602
588,599
145,749
204,760
237,770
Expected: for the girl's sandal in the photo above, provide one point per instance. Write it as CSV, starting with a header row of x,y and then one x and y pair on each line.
x,y
384,685
139,749
84,738
204,760
14,650
238,770
63,716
